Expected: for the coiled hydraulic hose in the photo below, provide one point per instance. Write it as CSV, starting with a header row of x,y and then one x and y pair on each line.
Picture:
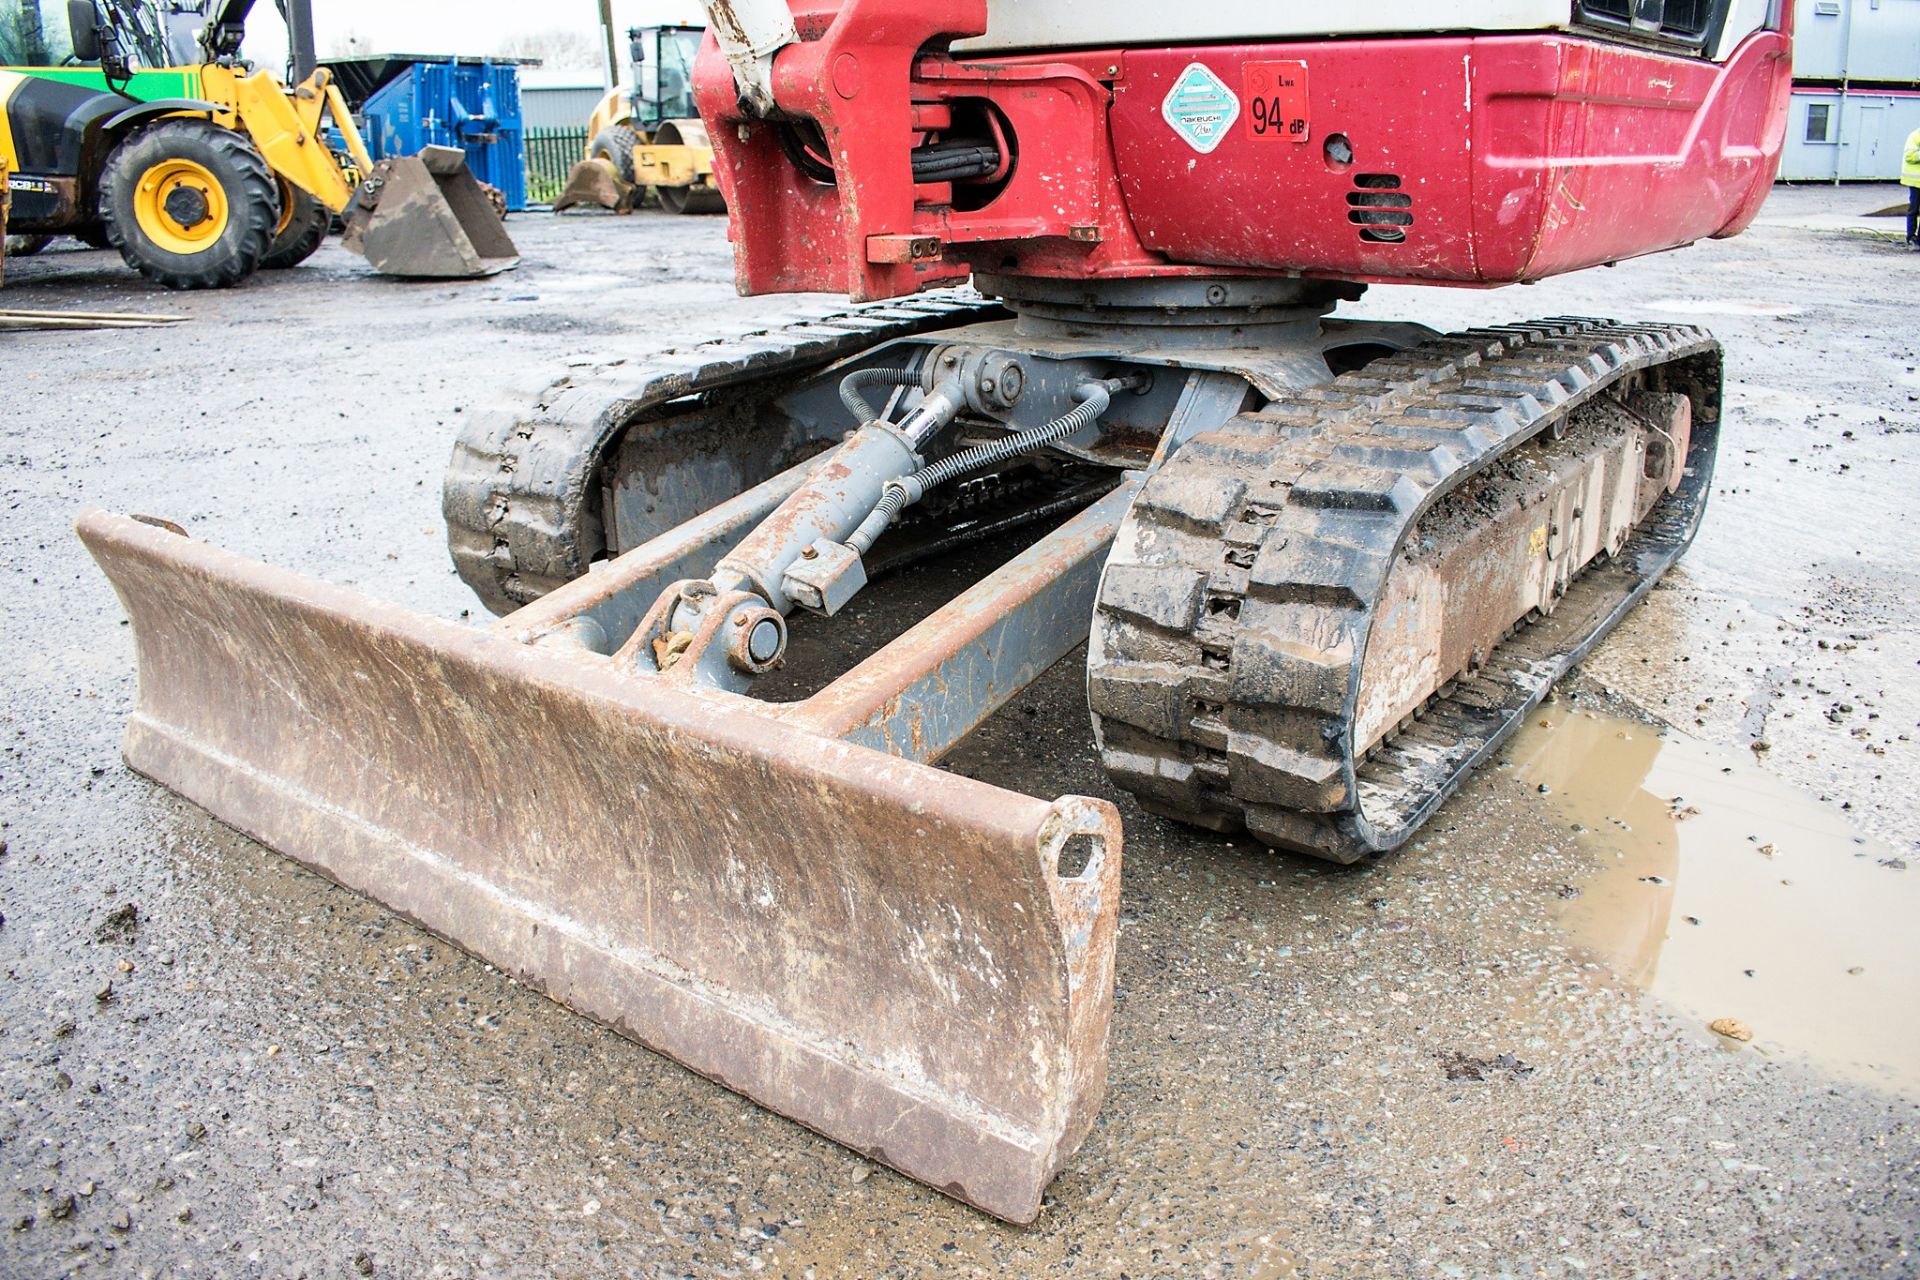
x,y
880,377
1094,397
954,162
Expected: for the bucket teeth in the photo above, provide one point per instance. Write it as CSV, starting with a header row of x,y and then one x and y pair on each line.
x,y
897,957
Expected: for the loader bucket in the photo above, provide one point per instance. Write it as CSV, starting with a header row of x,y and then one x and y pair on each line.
x,y
889,954
425,216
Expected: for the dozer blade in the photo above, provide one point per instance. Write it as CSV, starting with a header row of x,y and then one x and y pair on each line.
x,y
892,955
425,216
594,182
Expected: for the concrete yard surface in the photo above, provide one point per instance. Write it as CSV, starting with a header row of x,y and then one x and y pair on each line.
x,y
1487,1055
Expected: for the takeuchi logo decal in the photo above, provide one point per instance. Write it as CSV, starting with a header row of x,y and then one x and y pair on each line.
x,y
1200,108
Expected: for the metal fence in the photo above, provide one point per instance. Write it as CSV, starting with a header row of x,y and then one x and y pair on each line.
x,y
551,154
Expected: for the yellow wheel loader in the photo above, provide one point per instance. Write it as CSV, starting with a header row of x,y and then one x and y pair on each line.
x,y
649,135
201,172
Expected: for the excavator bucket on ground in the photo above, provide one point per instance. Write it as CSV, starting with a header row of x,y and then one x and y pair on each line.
x,y
595,182
425,216
890,954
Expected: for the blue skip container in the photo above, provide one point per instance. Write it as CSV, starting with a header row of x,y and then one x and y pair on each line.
x,y
470,104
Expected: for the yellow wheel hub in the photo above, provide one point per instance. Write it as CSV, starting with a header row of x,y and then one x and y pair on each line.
x,y
181,206
287,199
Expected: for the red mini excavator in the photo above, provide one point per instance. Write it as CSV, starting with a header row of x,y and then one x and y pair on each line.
x,y
1322,567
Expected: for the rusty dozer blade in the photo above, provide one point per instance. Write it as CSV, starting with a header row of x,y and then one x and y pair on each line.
x,y
892,955
426,216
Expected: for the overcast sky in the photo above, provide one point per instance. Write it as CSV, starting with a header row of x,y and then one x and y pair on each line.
x,y
438,26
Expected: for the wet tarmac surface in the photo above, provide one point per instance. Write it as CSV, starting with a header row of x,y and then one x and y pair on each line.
x,y
1485,1056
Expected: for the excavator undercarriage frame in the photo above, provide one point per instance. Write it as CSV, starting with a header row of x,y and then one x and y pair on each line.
x,y
742,882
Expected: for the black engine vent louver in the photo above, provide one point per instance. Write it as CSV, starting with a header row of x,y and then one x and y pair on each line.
x,y
1379,208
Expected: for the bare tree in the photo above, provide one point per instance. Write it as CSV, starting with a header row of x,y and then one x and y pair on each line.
x,y
559,50
349,44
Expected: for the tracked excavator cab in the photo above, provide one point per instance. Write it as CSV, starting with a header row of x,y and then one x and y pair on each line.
x,y
1322,567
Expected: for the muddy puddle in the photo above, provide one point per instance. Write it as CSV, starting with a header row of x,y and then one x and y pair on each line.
x,y
1728,893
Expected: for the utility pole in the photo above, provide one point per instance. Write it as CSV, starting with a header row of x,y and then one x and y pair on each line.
x,y
613,55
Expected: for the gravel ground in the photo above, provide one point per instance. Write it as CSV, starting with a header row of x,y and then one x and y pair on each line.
x,y
215,1063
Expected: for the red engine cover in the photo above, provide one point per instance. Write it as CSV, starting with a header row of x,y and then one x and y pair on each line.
x,y
1458,160
1488,160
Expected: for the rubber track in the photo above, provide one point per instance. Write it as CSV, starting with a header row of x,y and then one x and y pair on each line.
x,y
1224,665
521,492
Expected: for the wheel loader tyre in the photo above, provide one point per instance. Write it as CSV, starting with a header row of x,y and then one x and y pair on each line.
x,y
93,235
302,228
616,143
190,205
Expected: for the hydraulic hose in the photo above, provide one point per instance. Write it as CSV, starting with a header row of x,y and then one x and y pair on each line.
x,y
954,162
1094,397
881,377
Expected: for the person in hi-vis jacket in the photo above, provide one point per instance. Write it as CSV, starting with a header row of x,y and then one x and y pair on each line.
x,y
1910,177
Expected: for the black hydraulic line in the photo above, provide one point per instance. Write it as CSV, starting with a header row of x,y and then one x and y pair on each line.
x,y
857,405
797,151
936,162
1095,396
954,162
1000,520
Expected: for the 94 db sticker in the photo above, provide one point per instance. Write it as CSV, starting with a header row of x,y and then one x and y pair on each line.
x,y
1277,102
